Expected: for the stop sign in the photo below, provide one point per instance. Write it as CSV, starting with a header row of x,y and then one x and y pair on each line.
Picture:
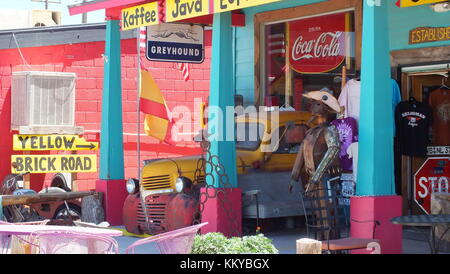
x,y
432,177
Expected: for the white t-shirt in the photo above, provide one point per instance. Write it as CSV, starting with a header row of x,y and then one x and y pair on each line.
x,y
352,152
349,98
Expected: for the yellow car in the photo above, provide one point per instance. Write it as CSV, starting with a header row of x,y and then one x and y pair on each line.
x,y
170,187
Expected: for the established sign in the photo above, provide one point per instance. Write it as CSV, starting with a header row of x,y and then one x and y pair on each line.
x,y
432,177
411,3
52,142
175,43
317,44
140,16
429,34
53,163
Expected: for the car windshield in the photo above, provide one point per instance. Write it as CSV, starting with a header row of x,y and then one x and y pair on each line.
x,y
248,135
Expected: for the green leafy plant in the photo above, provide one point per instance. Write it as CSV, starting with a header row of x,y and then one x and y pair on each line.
x,y
217,243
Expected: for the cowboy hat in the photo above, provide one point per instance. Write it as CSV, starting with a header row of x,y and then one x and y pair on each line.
x,y
325,98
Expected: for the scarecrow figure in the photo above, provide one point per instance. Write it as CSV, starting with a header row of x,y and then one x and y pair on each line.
x,y
318,157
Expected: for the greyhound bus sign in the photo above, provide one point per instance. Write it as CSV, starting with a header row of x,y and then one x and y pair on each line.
x,y
172,42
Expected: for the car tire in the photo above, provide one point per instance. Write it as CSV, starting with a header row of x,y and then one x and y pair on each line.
x,y
61,211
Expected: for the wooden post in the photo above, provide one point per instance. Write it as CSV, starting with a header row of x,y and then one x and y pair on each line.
x,y
309,246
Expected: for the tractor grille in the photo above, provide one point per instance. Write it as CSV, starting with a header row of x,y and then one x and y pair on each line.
x,y
157,182
201,179
156,210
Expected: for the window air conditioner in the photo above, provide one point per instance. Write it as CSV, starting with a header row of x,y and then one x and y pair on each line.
x,y
43,103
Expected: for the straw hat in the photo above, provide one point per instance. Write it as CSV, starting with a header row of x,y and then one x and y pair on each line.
x,y
325,98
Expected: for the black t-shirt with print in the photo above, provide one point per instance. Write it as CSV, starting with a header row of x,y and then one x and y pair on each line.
x,y
413,119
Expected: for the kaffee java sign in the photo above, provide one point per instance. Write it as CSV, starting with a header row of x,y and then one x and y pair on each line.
x,y
140,16
176,10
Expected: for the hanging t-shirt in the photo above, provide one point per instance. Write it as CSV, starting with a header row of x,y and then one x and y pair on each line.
x,y
352,152
439,101
349,98
348,133
413,119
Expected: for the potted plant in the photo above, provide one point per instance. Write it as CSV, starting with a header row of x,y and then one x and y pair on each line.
x,y
217,243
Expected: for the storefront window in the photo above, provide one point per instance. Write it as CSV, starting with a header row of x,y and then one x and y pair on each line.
x,y
307,54
248,136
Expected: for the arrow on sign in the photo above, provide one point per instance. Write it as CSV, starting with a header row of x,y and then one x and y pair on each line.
x,y
52,142
398,4
90,146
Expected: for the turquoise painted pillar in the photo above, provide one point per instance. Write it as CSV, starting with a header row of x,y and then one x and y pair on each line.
x,y
111,137
222,210
221,123
111,182
375,198
375,164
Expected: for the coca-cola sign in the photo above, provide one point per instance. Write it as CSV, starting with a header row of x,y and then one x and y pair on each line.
x,y
317,44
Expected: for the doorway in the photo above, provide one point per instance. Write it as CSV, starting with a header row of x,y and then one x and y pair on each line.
x,y
420,84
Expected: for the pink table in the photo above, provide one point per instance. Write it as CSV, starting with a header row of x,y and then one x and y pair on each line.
x,y
28,229
23,230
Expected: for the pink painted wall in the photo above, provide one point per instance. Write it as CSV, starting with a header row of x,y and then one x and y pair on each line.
x,y
85,59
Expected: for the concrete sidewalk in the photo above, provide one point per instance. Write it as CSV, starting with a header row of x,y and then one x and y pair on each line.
x,y
414,242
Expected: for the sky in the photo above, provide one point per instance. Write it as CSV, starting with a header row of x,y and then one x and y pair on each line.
x,y
66,19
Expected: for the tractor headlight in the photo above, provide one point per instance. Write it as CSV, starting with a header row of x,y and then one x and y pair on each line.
x,y
179,184
183,184
132,185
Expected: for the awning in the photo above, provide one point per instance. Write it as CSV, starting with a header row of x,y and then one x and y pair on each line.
x,y
101,4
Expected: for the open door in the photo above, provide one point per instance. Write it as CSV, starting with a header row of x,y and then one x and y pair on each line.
x,y
420,85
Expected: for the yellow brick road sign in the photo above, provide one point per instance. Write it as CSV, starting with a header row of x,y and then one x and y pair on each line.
x,y
52,142
411,3
53,163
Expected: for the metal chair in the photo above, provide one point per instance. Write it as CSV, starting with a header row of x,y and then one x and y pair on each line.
x,y
329,219
178,241
72,242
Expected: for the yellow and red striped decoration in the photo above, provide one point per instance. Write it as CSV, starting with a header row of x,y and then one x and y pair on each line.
x,y
157,122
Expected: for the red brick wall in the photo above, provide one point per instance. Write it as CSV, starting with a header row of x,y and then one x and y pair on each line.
x,y
86,61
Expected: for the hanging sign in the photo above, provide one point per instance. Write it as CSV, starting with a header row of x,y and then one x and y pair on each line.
x,y
411,3
317,44
177,10
438,150
53,163
429,34
432,177
140,16
52,142
175,43
228,5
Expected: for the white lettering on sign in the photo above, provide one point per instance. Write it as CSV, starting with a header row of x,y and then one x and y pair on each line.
x,y
174,50
423,194
320,48
435,185
438,150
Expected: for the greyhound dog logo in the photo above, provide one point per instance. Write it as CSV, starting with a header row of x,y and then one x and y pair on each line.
x,y
185,34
